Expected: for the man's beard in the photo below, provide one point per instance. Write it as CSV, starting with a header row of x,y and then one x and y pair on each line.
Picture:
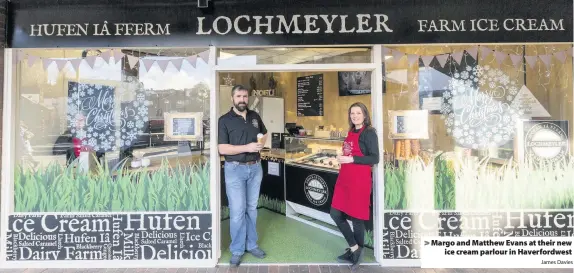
x,y
241,106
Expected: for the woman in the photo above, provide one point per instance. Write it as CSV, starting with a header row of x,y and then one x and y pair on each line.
x,y
352,197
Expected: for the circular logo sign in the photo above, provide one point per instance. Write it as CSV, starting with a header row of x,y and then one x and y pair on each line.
x,y
546,141
316,190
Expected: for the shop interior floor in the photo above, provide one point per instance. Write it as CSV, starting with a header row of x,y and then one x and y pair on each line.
x,y
288,241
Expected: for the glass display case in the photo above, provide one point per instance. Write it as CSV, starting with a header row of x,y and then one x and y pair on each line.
x,y
315,153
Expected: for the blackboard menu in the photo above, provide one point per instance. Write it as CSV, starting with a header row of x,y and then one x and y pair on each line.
x,y
310,96
134,236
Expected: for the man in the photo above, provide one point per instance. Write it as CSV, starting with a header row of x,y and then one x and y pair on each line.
x,y
238,130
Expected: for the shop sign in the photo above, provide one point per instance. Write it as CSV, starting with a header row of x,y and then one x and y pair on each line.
x,y
135,236
259,23
546,140
403,231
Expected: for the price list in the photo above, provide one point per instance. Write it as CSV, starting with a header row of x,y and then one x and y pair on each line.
x,y
310,95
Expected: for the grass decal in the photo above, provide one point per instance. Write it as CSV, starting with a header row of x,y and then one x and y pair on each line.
x,y
452,183
444,185
394,186
369,239
272,204
64,189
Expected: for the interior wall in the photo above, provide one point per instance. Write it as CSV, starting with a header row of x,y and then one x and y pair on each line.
x,y
335,107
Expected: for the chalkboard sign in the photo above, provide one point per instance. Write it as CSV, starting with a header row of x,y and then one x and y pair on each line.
x,y
310,96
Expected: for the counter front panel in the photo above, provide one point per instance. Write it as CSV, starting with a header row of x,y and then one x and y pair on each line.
x,y
309,187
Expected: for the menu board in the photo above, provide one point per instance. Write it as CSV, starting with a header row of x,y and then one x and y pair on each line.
x,y
310,96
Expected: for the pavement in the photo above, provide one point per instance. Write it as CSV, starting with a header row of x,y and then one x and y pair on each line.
x,y
288,269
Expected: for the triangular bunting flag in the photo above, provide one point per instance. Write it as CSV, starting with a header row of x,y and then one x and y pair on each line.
x,y
547,59
427,60
132,61
473,52
46,63
177,63
500,56
148,63
561,56
516,59
91,60
204,56
61,64
412,58
386,51
192,60
485,52
442,59
531,60
76,64
32,60
163,64
106,56
527,101
397,55
20,55
457,56
118,55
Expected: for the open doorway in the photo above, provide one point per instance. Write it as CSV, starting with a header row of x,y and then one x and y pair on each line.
x,y
305,114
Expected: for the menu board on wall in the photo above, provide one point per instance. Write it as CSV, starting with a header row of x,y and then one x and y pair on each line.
x,y
138,236
310,96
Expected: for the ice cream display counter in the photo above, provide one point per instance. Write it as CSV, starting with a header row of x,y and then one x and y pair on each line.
x,y
316,153
311,171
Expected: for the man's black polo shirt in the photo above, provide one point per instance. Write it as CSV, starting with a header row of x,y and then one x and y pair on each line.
x,y
234,130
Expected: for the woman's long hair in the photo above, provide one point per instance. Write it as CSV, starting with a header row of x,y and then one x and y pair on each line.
x,y
367,122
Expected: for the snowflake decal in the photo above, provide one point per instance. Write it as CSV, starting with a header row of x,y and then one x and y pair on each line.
x,y
90,115
476,107
134,122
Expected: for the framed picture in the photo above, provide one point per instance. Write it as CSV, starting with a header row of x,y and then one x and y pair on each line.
x,y
408,124
353,83
183,126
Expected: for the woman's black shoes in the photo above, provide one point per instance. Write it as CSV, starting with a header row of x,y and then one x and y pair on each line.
x,y
353,257
356,258
346,257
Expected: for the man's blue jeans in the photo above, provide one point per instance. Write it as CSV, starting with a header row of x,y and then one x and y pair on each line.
x,y
242,184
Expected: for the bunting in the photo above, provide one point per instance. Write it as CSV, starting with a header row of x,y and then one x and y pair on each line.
x,y
484,51
396,55
107,56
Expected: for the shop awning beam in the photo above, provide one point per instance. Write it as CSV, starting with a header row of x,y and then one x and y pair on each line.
x,y
298,67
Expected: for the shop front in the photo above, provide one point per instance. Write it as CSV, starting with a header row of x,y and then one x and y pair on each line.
x,y
111,110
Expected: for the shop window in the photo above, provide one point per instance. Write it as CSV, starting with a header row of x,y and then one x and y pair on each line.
x,y
478,127
97,128
281,55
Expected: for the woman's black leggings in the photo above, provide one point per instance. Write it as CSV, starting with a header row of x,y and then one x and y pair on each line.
x,y
355,236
